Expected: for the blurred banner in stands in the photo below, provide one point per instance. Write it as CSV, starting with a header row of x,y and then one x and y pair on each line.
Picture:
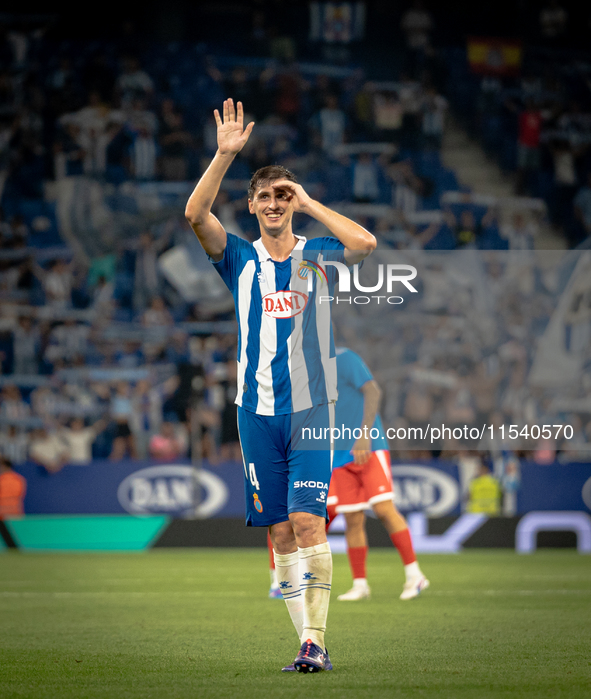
x,y
491,56
337,22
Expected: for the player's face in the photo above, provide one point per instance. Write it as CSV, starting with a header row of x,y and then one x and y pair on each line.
x,y
273,209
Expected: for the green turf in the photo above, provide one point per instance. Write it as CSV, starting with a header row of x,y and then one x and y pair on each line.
x,y
198,623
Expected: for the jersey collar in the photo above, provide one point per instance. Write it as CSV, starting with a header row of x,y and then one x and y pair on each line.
x,y
264,254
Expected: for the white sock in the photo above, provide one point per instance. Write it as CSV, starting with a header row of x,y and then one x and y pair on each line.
x,y
315,582
288,580
412,570
273,576
360,582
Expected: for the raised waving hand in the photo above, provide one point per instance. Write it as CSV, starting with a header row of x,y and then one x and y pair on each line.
x,y
232,136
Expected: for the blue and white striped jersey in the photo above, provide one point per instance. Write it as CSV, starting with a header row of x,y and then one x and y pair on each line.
x,y
286,355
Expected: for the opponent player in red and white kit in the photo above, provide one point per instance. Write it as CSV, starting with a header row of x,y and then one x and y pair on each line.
x,y
361,478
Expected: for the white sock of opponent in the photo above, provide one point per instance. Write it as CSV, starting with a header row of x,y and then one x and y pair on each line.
x,y
288,579
315,582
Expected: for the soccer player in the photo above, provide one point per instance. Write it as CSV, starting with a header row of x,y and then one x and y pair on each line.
x,y
362,478
286,367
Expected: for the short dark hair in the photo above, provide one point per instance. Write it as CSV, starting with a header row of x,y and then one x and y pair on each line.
x,y
266,175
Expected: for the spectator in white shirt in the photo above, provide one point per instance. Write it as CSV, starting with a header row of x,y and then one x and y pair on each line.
x,y
79,440
434,108
57,283
330,123
48,450
12,405
103,301
26,346
365,179
14,444
146,282
133,81
67,341
157,314
519,232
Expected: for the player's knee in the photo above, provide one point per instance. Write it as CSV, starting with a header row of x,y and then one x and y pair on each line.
x,y
309,529
282,538
354,521
387,513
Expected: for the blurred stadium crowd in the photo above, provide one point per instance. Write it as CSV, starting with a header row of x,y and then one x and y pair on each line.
x,y
114,332
537,125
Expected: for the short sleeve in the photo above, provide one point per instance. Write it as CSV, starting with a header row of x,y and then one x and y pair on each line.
x,y
331,248
353,370
332,251
233,260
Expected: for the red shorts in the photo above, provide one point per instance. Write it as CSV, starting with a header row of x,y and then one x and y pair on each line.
x,y
355,488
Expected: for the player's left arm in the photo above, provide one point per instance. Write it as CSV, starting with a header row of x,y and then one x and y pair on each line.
x,y
358,242
372,394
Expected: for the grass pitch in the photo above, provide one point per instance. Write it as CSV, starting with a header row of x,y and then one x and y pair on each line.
x,y
197,623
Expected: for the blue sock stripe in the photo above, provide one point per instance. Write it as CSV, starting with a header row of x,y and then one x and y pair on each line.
x,y
291,595
317,585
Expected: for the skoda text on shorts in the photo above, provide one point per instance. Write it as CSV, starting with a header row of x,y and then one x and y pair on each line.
x,y
286,365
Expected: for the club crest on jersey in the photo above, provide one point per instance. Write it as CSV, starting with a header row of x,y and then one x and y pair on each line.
x,y
258,505
306,267
284,304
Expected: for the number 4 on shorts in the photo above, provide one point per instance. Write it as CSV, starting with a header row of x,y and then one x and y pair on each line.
x,y
253,476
